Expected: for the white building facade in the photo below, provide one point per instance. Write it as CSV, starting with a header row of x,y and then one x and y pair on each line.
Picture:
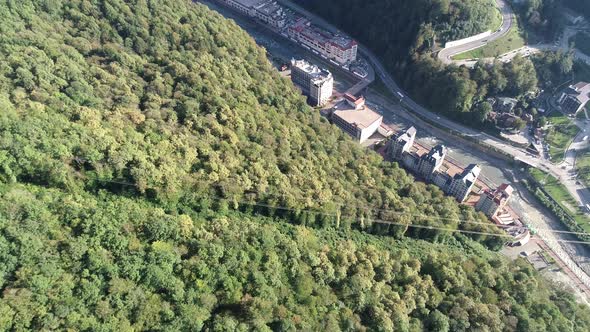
x,y
430,163
402,143
316,83
355,118
462,184
267,11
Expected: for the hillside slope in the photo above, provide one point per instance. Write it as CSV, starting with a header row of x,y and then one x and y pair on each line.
x,y
151,160
87,263
174,103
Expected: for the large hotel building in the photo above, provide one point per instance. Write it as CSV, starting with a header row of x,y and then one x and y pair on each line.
x,y
315,82
355,118
341,49
267,11
338,48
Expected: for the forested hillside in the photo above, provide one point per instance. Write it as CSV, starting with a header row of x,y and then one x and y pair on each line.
x,y
541,17
88,263
169,101
156,173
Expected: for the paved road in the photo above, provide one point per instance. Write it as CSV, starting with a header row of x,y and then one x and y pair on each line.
x,y
567,166
525,51
446,54
563,44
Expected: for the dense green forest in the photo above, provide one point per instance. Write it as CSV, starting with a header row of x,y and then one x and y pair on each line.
x,y
458,91
407,32
102,262
156,173
173,103
542,18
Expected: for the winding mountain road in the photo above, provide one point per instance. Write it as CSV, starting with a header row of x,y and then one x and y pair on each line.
x,y
446,54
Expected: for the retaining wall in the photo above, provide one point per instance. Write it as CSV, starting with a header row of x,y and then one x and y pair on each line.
x,y
468,39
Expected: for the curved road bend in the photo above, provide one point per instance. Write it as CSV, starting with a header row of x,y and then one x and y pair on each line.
x,y
446,54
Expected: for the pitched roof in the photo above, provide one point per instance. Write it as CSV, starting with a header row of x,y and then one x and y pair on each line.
x,y
407,135
357,101
580,85
579,91
437,152
470,173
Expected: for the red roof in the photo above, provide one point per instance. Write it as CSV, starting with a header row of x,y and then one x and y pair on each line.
x,y
580,85
353,99
300,25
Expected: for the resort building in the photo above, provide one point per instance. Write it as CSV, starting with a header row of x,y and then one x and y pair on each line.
x,y
267,11
402,143
491,202
574,97
461,184
442,180
316,83
341,49
354,117
431,162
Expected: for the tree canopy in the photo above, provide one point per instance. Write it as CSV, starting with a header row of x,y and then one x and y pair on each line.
x,y
156,173
174,103
104,262
580,7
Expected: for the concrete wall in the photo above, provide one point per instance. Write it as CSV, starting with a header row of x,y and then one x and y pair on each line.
x,y
369,131
467,40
